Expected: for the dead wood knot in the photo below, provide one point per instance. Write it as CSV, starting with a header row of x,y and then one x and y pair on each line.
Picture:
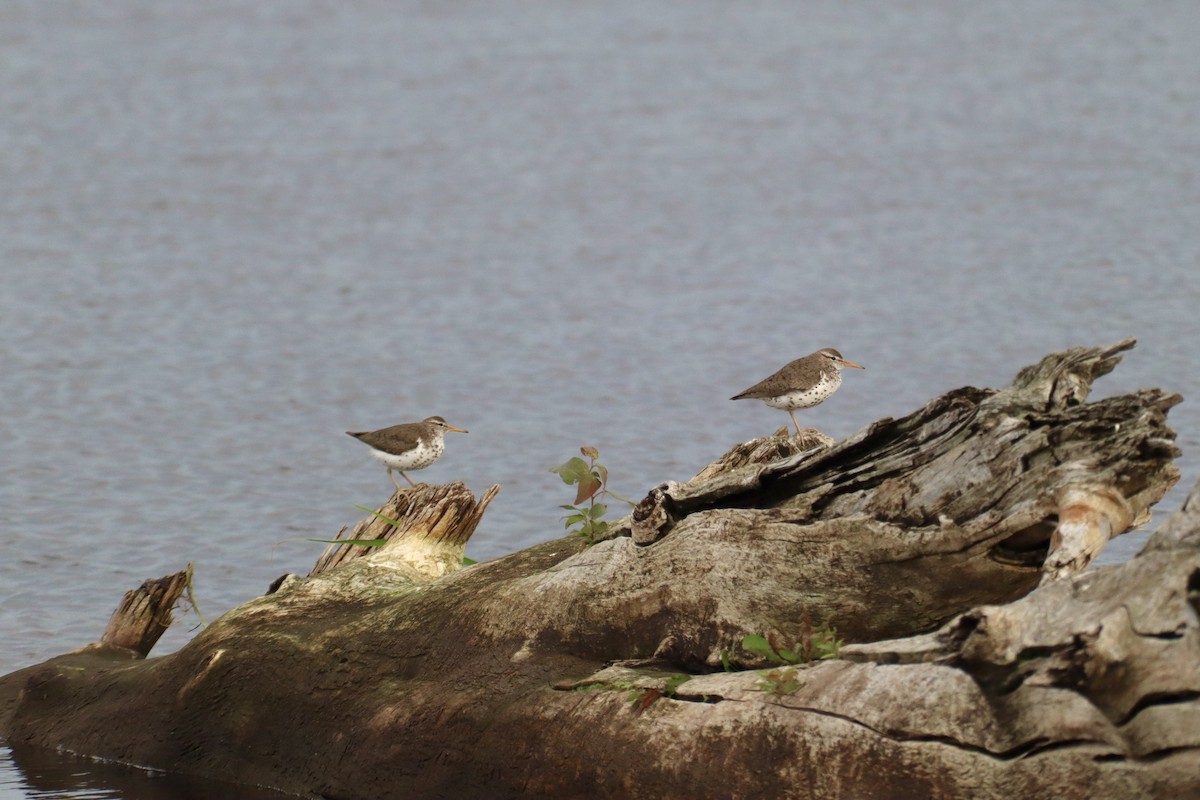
x,y
654,516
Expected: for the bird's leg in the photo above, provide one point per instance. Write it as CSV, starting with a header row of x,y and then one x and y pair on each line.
x,y
410,483
393,477
792,414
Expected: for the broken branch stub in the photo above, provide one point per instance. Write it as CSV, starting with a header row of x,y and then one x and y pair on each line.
x,y
434,524
145,613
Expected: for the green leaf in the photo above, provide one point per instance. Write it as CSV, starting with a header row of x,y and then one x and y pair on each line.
x,y
572,470
588,486
468,561
598,510
675,681
759,646
601,473
828,646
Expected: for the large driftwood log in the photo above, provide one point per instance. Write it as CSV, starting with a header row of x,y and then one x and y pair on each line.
x,y
393,675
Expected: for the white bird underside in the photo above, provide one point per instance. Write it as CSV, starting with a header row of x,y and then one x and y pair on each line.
x,y
806,398
420,457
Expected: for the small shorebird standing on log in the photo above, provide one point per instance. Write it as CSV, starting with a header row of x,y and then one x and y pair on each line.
x,y
803,383
412,445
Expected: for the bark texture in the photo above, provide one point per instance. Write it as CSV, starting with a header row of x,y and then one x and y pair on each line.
x,y
947,546
145,614
431,535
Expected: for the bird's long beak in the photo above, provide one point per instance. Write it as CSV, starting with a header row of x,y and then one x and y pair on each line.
x,y
457,430
846,363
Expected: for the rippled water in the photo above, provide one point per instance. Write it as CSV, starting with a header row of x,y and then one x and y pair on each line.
x,y
30,772
230,232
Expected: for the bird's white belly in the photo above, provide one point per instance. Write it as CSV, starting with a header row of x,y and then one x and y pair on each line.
x,y
805,398
419,457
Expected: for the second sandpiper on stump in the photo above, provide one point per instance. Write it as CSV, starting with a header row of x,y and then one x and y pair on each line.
x,y
803,383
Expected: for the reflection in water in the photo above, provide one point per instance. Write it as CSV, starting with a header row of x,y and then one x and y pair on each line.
x,y
34,772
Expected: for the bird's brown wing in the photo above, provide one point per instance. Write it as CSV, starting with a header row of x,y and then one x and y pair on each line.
x,y
780,382
395,439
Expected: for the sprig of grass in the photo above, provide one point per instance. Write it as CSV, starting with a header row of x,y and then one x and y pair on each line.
x,y
362,542
190,597
383,517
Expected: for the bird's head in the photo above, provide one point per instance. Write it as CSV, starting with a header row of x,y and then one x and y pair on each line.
x,y
438,422
835,358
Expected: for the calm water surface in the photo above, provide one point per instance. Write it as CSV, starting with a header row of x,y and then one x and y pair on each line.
x,y
230,232
29,772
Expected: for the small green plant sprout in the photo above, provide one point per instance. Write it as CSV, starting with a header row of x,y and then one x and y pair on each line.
x,y
641,699
779,681
674,682
822,645
762,646
590,479
814,645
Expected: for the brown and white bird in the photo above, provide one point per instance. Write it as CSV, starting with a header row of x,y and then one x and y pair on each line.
x,y
803,383
412,445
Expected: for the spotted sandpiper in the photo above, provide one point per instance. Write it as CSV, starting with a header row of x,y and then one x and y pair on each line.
x,y
412,445
803,383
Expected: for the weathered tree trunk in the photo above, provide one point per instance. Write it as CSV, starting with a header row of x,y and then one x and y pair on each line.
x,y
548,673
437,521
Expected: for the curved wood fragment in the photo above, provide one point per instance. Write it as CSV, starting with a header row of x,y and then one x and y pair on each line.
x,y
1088,516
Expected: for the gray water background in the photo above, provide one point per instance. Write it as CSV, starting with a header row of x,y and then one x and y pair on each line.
x,y
230,232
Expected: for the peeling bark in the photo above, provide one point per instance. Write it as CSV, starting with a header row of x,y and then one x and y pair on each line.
x,y
946,546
